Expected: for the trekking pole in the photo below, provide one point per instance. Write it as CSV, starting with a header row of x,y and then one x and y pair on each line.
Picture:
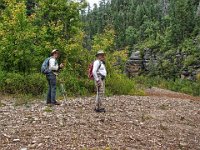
x,y
63,91
98,105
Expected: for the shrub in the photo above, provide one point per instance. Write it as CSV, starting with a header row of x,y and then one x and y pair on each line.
x,y
15,83
23,99
12,83
35,84
179,85
120,85
75,85
2,75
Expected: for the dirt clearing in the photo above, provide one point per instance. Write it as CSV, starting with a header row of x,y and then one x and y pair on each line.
x,y
131,122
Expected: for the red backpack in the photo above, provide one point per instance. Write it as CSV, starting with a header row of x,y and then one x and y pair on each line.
x,y
90,69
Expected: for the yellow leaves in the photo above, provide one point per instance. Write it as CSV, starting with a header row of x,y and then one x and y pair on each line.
x,y
198,76
2,32
14,16
123,54
48,45
56,27
104,41
78,38
32,17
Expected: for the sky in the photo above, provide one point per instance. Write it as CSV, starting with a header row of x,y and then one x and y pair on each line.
x,y
93,1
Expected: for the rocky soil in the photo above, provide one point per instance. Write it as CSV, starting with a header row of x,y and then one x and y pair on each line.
x,y
158,121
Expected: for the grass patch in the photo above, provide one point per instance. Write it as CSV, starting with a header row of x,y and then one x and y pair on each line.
x,y
163,127
119,84
2,104
164,107
178,85
23,100
48,109
146,117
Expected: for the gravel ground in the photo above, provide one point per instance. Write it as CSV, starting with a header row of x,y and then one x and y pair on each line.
x,y
170,94
130,122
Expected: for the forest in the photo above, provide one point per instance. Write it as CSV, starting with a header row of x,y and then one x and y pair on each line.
x,y
168,30
152,89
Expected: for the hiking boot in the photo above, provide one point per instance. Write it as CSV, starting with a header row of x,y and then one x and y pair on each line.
x,y
100,110
56,103
96,110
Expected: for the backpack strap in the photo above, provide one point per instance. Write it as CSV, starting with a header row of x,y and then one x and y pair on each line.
x,y
99,65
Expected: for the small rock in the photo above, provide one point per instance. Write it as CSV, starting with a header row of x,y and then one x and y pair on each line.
x,y
183,144
7,136
16,140
47,137
23,149
182,118
36,119
32,145
39,145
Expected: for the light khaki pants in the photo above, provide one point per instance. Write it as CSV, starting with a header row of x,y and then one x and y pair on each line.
x,y
100,94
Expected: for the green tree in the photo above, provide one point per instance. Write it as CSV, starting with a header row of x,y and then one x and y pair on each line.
x,y
16,38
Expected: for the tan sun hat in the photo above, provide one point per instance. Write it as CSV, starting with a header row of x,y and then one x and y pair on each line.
x,y
100,52
54,51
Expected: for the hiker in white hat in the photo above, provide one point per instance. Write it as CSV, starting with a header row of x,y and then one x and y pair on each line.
x,y
99,73
51,74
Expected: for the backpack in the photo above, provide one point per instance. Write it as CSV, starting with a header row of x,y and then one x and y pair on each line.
x,y
90,69
45,66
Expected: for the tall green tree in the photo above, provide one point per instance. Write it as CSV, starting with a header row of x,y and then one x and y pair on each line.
x,y
17,35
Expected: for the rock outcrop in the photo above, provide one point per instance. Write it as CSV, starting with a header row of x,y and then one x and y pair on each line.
x,y
134,65
148,62
138,63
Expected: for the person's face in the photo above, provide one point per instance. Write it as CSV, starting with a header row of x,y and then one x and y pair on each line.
x,y
101,57
56,55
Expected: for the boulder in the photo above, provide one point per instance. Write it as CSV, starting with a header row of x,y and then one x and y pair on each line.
x,y
134,64
135,56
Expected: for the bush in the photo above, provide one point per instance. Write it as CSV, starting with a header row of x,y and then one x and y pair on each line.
x,y
14,83
179,85
75,85
116,84
35,84
119,84
185,86
2,75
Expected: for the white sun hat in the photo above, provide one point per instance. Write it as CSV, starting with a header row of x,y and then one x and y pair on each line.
x,y
100,52
54,51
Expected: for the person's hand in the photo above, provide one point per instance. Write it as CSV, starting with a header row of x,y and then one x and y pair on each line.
x,y
99,83
61,65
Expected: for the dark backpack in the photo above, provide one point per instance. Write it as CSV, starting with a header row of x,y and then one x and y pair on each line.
x,y
45,66
90,69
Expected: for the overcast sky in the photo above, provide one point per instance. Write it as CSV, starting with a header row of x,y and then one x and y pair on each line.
x,y
93,1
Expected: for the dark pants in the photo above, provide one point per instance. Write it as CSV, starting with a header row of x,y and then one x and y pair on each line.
x,y
51,96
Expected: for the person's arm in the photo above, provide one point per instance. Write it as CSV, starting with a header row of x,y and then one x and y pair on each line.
x,y
95,69
52,65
